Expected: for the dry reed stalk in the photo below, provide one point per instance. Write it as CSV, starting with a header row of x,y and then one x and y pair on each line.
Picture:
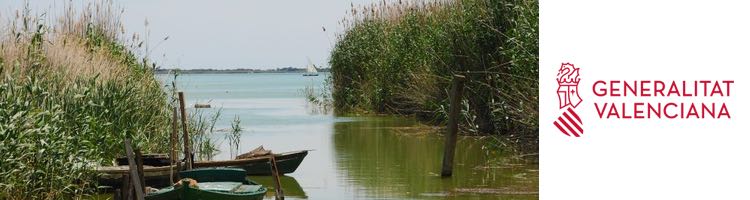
x,y
64,45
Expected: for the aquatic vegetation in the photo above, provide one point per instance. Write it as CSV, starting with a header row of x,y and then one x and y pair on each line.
x,y
399,57
71,90
233,136
200,127
201,123
320,102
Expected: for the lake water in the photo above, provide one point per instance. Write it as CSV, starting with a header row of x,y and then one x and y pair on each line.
x,y
353,157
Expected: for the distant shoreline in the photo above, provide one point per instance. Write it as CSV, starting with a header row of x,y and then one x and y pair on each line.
x,y
237,71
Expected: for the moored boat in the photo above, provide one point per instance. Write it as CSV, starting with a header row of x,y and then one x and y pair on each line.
x,y
211,183
158,176
156,160
288,162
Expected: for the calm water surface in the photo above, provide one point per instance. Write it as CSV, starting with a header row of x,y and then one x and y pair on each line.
x,y
353,157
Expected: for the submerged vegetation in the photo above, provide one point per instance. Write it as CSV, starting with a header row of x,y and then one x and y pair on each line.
x,y
400,57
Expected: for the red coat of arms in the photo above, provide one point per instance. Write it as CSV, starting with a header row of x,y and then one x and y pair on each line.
x,y
569,123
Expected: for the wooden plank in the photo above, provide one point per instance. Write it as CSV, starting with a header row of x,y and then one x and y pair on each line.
x,y
185,134
135,180
276,179
450,137
139,166
126,189
173,144
117,195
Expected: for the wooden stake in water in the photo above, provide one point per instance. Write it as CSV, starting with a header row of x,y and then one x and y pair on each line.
x,y
185,135
173,145
450,137
139,167
135,179
276,179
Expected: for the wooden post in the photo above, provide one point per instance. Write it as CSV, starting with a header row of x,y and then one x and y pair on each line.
x,y
185,135
173,145
450,138
139,167
117,195
276,179
134,177
125,190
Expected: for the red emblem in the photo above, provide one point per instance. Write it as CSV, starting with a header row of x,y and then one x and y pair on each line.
x,y
569,123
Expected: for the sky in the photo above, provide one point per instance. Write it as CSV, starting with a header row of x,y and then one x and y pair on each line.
x,y
225,34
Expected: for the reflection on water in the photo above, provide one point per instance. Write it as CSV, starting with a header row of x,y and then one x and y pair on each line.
x,y
289,184
390,158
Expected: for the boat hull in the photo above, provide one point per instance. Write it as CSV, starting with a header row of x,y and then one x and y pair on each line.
x,y
216,183
153,176
189,193
286,163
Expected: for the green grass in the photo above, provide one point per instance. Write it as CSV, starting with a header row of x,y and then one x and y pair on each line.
x,y
399,58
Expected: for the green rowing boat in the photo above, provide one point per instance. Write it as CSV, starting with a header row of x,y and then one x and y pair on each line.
x,y
209,184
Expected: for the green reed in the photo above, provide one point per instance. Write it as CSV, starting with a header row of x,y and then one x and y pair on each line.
x,y
321,101
200,127
70,93
233,136
201,123
399,57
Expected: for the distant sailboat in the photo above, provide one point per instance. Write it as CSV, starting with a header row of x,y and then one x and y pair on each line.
x,y
311,71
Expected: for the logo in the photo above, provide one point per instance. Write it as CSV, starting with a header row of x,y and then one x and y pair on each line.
x,y
569,123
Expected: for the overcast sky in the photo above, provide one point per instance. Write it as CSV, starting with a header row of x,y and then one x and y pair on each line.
x,y
228,33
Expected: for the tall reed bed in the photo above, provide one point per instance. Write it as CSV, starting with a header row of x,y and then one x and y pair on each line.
x,y
72,88
399,57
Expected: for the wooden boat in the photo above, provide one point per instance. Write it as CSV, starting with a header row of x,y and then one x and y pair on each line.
x,y
202,105
156,160
211,183
287,162
158,176
259,166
